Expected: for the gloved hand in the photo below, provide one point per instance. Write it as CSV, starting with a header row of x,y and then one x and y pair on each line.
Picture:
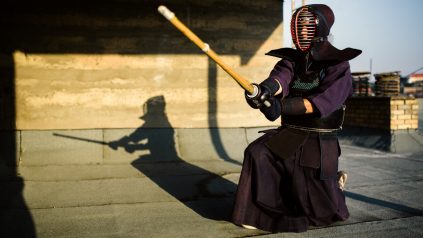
x,y
264,91
257,101
288,106
274,111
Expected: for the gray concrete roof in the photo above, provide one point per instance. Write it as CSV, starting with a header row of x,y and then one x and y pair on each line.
x,y
165,199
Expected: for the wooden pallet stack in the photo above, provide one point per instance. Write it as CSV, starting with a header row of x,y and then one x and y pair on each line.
x,y
361,83
387,84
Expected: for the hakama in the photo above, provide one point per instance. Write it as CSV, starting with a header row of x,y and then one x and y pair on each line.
x,y
293,192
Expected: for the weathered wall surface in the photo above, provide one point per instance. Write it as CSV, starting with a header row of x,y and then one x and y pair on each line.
x,y
76,76
95,64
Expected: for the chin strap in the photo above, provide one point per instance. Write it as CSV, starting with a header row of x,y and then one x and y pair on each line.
x,y
319,39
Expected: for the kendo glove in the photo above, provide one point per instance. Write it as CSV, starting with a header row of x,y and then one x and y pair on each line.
x,y
263,92
288,106
274,111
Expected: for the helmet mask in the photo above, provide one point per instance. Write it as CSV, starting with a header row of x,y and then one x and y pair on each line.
x,y
310,24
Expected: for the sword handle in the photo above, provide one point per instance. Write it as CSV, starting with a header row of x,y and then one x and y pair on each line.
x,y
256,92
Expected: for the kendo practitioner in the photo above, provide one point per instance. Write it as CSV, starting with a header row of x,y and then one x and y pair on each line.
x,y
289,179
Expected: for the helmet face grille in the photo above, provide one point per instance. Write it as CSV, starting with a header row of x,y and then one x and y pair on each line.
x,y
303,28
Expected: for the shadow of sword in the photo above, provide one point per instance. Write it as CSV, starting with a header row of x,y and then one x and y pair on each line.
x,y
86,140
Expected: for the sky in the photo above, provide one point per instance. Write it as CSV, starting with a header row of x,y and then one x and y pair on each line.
x,y
389,32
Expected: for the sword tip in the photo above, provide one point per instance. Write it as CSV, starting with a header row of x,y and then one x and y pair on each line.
x,y
165,12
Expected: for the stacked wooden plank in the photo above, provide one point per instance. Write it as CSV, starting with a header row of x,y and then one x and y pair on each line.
x,y
387,84
361,83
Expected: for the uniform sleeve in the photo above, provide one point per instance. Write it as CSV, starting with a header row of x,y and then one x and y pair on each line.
x,y
283,72
336,87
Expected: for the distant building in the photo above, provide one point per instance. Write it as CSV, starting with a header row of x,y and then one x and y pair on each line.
x,y
414,86
416,77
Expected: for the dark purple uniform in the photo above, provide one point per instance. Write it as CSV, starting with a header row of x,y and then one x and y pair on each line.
x,y
289,176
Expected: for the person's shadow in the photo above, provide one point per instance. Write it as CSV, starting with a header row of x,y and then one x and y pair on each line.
x,y
15,216
206,193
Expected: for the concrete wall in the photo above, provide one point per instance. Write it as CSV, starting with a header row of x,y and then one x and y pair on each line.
x,y
76,75
108,146
95,64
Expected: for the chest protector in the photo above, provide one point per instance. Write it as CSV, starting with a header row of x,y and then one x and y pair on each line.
x,y
304,85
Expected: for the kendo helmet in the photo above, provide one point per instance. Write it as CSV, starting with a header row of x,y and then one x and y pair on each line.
x,y
309,24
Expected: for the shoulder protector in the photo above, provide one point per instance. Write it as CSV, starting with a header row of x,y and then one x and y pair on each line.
x,y
286,53
325,51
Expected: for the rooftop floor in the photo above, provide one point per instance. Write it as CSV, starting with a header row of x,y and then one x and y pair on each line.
x,y
180,199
